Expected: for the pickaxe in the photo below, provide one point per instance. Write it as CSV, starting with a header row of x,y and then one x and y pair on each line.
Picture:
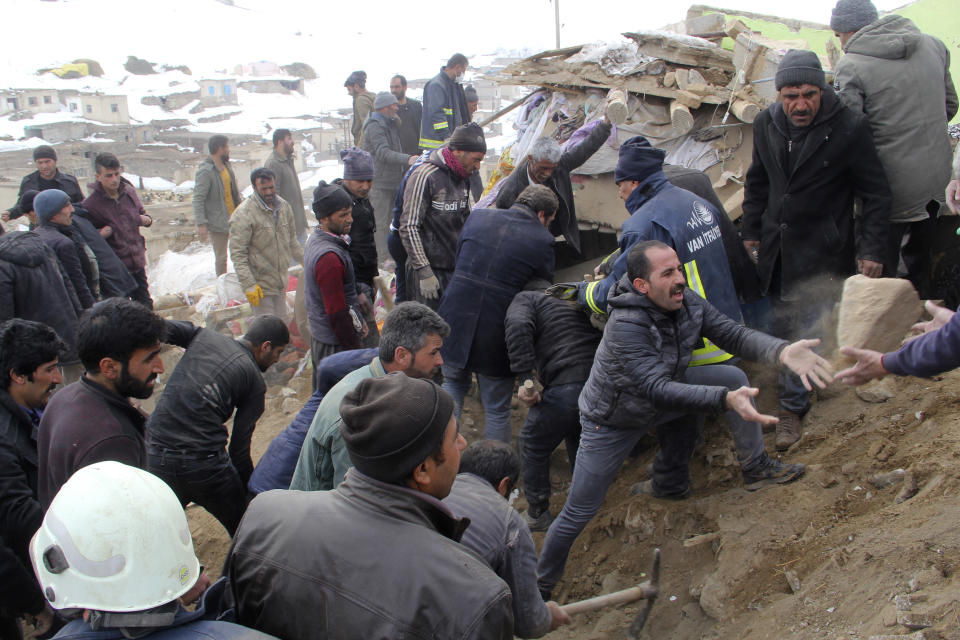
x,y
648,591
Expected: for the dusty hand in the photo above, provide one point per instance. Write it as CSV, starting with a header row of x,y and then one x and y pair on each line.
x,y
753,249
202,232
559,617
870,268
197,590
106,231
869,366
254,295
430,287
364,331
411,160
528,397
953,196
741,401
42,622
5,216
941,316
803,361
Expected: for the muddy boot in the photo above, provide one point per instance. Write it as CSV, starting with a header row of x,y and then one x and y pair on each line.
x,y
770,471
788,429
645,488
538,520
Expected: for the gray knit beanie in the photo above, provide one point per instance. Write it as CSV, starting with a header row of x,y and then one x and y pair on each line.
x,y
49,203
384,99
852,15
799,67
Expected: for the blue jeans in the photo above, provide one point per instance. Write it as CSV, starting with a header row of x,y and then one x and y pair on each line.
x,y
553,420
495,393
603,449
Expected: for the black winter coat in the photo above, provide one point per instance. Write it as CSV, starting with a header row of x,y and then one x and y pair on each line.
x,y
565,223
363,245
497,254
20,511
804,218
549,335
639,368
31,182
73,258
115,280
34,286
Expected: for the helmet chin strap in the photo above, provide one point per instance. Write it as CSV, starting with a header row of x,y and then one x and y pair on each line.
x,y
135,624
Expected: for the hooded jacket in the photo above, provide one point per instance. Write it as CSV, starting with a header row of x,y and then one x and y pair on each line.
x,y
263,244
900,79
639,368
387,565
34,286
565,223
209,197
804,218
381,138
362,107
288,187
123,217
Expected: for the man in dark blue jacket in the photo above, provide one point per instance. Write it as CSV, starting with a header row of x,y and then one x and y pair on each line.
x,y
55,214
498,252
640,381
679,219
444,104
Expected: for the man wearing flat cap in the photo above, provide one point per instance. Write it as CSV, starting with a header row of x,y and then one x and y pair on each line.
x,y
381,551
381,138
436,203
900,80
331,286
47,176
812,156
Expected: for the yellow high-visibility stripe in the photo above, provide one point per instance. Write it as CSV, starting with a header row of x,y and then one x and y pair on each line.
x,y
709,353
589,295
447,111
693,278
427,143
440,125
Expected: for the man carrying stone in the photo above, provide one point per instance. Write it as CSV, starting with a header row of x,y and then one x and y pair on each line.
x,y
548,165
900,80
356,84
217,377
381,139
812,157
412,336
47,176
436,203
489,471
29,372
114,208
328,547
410,112
444,104
263,245
215,196
280,162
498,253
641,380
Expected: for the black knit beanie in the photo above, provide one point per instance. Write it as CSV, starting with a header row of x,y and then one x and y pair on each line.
x,y
393,423
799,67
44,151
329,198
468,137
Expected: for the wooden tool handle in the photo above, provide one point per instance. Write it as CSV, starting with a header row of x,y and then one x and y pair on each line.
x,y
632,594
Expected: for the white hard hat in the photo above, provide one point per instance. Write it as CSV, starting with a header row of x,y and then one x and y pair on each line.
x,y
115,539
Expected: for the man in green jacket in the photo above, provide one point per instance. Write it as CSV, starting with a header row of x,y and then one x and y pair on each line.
x,y
288,183
411,340
263,245
215,196
356,85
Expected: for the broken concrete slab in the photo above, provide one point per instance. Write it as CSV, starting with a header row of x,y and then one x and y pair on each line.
x,y
876,313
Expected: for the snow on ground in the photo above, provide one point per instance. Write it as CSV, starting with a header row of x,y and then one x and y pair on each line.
x,y
155,183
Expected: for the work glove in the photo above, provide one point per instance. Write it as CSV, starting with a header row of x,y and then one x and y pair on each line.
x,y
254,295
429,285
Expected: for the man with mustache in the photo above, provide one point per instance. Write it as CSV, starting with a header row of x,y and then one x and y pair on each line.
x,y
119,342
30,366
812,156
641,380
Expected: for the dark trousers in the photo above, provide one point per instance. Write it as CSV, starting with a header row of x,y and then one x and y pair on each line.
x,y
210,480
142,292
319,351
908,251
553,420
399,255
10,628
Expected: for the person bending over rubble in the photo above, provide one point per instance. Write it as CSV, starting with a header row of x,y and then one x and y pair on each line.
x,y
377,557
489,470
411,340
936,351
640,381
217,377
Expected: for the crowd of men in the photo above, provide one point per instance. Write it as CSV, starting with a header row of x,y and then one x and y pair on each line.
x,y
368,516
